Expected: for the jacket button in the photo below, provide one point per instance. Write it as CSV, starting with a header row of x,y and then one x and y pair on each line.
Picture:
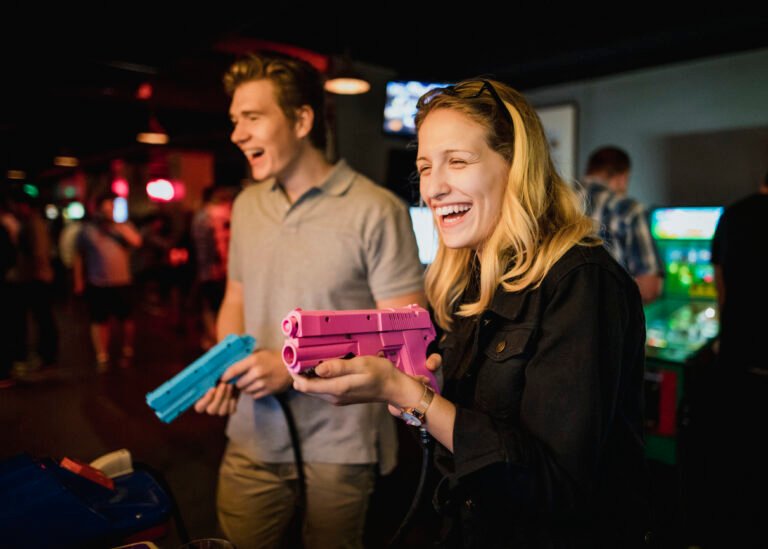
x,y
500,346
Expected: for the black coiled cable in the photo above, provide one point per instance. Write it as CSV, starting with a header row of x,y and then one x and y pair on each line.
x,y
426,456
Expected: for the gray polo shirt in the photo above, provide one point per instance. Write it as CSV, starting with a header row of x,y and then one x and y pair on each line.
x,y
342,245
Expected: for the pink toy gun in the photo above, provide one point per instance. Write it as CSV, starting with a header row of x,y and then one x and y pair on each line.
x,y
402,334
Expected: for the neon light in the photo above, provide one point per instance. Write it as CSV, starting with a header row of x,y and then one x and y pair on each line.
x,y
179,190
74,210
178,256
144,91
120,210
120,187
161,190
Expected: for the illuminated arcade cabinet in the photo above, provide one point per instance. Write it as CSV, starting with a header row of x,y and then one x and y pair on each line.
x,y
681,325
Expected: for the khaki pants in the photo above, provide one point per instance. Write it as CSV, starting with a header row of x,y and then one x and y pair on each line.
x,y
256,502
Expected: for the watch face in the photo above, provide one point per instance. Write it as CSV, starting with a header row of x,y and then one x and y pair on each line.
x,y
411,419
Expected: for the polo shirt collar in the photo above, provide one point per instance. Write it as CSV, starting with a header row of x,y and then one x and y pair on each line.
x,y
338,182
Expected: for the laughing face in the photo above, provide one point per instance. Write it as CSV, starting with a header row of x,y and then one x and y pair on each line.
x,y
462,179
269,140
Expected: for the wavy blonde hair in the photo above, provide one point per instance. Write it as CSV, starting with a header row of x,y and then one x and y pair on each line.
x,y
541,216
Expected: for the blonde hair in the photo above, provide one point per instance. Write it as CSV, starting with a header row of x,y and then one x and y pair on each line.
x,y
541,216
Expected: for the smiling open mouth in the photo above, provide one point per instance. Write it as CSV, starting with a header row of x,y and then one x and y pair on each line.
x,y
452,214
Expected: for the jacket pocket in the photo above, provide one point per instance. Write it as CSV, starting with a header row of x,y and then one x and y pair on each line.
x,y
508,342
501,375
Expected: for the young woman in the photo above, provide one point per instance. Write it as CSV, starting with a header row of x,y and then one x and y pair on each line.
x,y
539,423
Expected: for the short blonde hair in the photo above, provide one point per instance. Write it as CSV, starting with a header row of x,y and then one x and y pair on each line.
x,y
296,83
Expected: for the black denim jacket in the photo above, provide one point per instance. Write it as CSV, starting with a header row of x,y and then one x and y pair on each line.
x,y
548,447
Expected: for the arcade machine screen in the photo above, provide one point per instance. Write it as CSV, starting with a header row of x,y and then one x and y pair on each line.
x,y
684,319
400,107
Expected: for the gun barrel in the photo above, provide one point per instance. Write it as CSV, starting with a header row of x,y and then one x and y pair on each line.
x,y
181,391
291,324
299,359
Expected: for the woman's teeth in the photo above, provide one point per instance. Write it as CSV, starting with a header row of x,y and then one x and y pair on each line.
x,y
452,213
455,208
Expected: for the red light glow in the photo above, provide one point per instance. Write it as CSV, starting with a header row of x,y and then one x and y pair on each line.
x,y
145,91
120,187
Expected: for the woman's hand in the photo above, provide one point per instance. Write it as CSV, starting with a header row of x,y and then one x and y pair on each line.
x,y
434,363
354,380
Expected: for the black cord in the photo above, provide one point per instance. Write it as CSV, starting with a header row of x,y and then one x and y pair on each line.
x,y
301,504
426,445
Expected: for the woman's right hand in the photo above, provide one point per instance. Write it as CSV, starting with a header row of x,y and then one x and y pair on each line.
x,y
354,380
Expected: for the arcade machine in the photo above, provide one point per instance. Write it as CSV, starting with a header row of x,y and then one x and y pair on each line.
x,y
681,325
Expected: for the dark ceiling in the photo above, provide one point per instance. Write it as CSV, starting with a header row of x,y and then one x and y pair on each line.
x,y
70,87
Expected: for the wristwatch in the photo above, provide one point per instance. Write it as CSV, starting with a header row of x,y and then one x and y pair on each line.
x,y
416,416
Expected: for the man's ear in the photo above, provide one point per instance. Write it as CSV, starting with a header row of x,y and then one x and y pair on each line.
x,y
305,120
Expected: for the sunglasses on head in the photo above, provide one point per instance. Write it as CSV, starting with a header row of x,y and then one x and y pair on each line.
x,y
466,91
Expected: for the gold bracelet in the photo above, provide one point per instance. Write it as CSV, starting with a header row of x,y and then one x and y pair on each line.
x,y
416,416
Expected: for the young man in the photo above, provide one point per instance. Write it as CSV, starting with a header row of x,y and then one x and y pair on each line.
x,y
623,223
313,235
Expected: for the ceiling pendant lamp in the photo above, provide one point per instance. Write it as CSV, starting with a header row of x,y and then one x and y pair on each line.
x,y
155,134
343,79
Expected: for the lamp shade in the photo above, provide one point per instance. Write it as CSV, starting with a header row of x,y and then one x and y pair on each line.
x,y
343,79
155,135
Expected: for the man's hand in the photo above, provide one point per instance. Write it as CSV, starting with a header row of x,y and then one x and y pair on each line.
x,y
218,401
260,374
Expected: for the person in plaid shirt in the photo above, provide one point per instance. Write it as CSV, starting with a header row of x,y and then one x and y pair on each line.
x,y
623,220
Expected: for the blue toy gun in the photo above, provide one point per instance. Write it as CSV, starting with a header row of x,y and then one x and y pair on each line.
x,y
187,387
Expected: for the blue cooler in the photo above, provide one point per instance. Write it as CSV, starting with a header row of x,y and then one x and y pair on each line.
x,y
45,505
